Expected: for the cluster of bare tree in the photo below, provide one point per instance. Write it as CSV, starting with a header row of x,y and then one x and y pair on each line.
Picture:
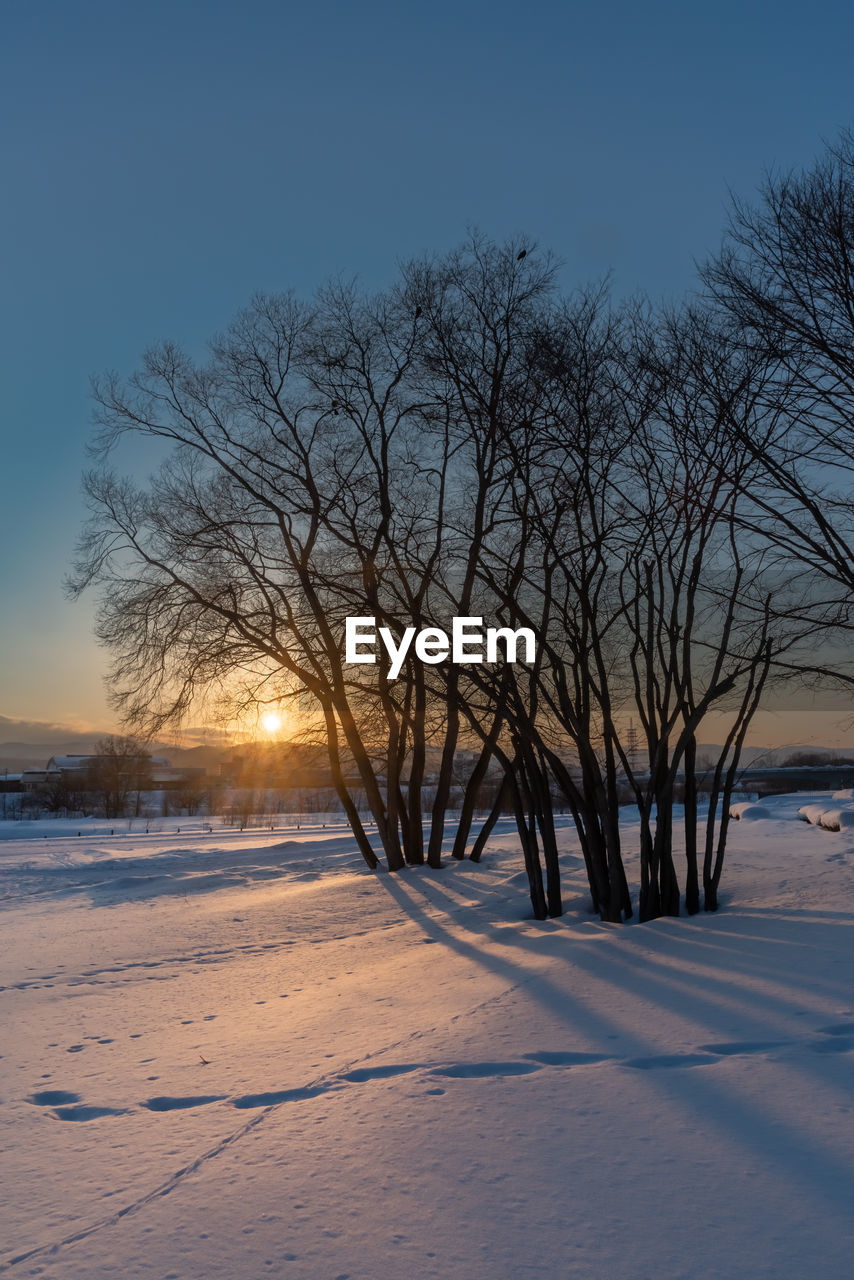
x,y
650,493
111,784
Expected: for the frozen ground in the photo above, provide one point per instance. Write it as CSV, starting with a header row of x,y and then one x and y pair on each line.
x,y
242,1055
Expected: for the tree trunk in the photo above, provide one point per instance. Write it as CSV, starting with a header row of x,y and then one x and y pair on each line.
x,y
692,883
528,835
649,904
446,770
469,802
414,817
541,806
588,825
352,813
667,881
494,814
387,829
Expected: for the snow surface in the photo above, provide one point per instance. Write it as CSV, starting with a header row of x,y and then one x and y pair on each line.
x,y
243,1055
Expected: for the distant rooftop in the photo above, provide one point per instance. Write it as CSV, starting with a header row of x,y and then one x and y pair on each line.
x,y
83,762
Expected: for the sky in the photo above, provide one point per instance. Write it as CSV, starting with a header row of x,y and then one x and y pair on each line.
x,y
164,161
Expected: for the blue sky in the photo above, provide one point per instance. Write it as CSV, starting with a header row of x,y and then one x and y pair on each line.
x,y
161,162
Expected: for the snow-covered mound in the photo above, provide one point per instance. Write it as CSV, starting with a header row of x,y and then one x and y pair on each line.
x,y
241,1056
749,809
831,819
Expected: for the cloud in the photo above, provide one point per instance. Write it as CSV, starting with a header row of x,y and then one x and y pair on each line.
x,y
80,736
39,731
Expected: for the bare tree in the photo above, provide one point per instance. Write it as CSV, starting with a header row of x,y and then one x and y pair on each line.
x,y
463,444
120,767
320,469
785,280
699,606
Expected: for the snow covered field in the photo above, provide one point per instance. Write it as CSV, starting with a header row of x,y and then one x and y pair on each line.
x,y
244,1055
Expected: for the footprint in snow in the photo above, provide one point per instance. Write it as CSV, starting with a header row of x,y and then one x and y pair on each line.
x,y
168,1103
559,1058
52,1098
482,1070
841,1044
249,1100
84,1112
730,1048
669,1061
360,1074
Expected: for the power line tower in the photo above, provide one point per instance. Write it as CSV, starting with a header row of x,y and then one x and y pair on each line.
x,y
632,746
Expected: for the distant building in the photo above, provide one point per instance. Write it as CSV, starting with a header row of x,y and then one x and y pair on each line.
x,y
78,764
155,773
35,779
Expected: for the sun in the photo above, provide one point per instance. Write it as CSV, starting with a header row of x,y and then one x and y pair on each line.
x,y
271,721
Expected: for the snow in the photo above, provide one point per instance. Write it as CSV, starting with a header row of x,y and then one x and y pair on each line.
x,y
832,819
243,1055
750,810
